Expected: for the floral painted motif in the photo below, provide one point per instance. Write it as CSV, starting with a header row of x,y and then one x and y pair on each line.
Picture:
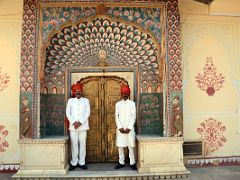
x,y
3,142
211,132
151,113
210,81
54,17
4,79
148,18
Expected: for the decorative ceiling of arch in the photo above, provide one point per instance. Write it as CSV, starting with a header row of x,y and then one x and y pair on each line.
x,y
79,45
145,18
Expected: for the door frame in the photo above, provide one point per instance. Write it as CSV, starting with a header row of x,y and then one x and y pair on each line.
x,y
102,133
103,71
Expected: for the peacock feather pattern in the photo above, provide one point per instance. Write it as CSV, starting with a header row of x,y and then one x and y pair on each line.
x,y
77,45
56,82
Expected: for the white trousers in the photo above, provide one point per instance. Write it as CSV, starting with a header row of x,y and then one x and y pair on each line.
x,y
122,155
78,147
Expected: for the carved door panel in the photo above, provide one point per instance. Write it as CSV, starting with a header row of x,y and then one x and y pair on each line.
x,y
103,93
112,95
94,138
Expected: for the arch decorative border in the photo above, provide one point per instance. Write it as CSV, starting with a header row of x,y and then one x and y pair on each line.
x,y
30,43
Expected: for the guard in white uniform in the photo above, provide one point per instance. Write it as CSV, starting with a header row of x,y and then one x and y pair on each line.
x,y
125,116
78,112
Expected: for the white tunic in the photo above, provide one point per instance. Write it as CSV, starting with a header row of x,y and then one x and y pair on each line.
x,y
125,116
78,110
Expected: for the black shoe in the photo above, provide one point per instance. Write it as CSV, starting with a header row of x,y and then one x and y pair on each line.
x,y
133,167
83,166
118,166
71,168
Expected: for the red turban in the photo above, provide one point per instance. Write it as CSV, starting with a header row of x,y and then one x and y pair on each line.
x,y
76,87
79,87
125,89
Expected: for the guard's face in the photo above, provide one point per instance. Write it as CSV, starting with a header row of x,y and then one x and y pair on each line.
x,y
125,96
78,94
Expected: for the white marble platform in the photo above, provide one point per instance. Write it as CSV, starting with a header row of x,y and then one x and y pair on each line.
x,y
46,156
45,159
160,155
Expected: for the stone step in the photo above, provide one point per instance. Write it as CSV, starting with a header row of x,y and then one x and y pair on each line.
x,y
103,171
104,175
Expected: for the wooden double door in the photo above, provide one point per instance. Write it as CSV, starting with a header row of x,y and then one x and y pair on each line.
x,y
103,93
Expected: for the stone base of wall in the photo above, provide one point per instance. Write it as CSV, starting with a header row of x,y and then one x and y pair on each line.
x,y
9,168
213,161
48,156
160,155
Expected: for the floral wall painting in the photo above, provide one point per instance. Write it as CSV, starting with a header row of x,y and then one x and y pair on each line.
x,y
210,81
3,142
4,79
211,132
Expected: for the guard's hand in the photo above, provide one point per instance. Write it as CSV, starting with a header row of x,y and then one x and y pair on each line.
x,y
127,130
122,130
76,124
